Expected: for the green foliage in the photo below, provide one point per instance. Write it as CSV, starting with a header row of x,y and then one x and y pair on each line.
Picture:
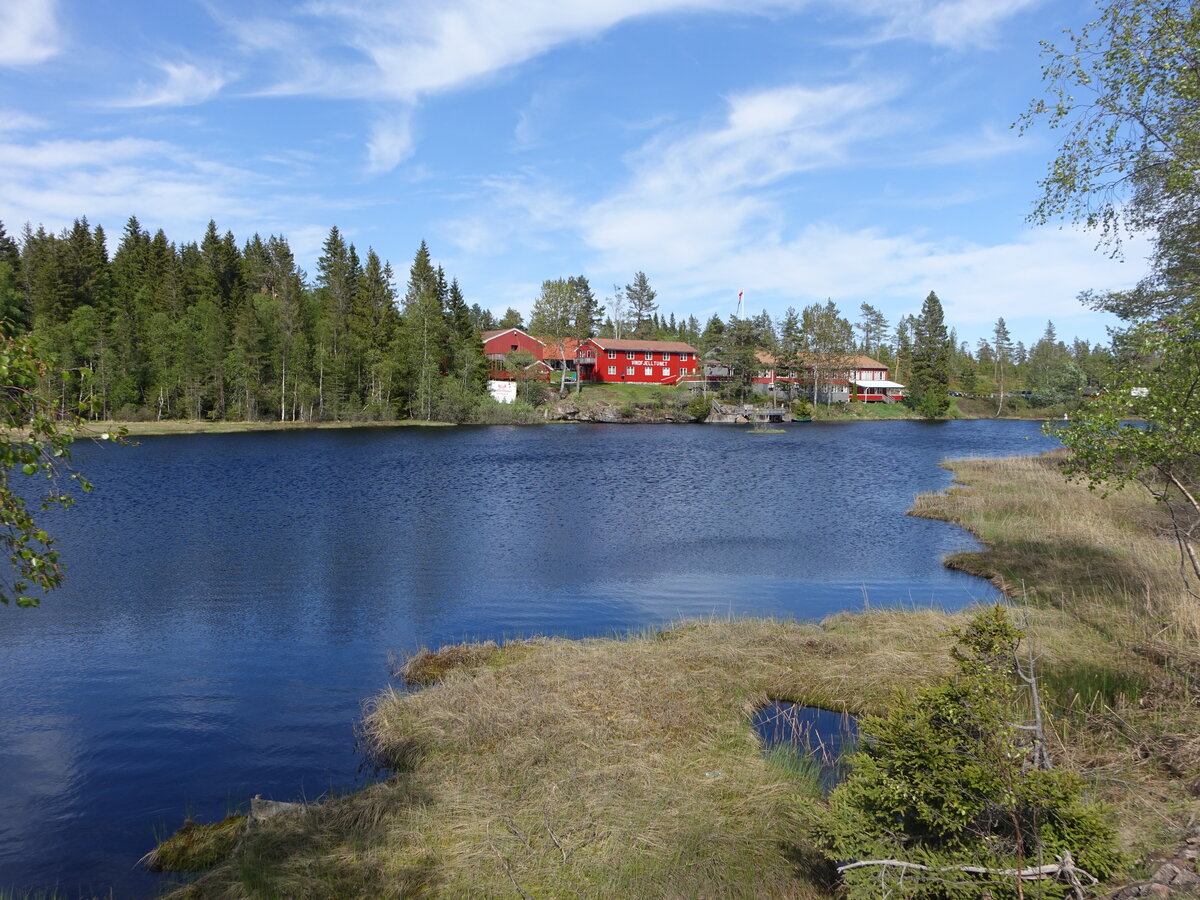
x,y
950,777
1124,96
1157,382
698,407
197,848
34,443
928,391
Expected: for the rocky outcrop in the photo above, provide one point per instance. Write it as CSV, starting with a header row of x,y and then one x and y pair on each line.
x,y
569,410
1174,876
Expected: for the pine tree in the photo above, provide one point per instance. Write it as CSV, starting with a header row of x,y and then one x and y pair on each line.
x,y
873,326
640,297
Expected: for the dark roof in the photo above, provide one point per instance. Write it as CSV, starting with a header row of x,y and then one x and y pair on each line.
x,y
671,346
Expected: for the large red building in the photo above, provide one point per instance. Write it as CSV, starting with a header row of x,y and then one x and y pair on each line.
x,y
636,362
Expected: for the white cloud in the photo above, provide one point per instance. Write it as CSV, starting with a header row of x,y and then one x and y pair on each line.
x,y
186,84
694,196
28,32
380,49
53,182
13,121
520,208
959,23
391,142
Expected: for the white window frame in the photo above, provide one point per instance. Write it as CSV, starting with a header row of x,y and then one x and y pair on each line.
x,y
666,371
612,370
629,370
612,354
649,371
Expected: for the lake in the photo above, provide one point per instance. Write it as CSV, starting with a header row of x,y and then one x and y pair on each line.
x,y
232,599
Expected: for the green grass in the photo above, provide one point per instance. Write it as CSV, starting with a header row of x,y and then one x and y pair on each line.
x,y
634,393
196,847
196,426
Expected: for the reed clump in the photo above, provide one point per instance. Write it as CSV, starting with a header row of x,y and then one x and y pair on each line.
x,y
196,847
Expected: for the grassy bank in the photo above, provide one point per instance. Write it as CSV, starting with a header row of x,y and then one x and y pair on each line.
x,y
204,426
628,768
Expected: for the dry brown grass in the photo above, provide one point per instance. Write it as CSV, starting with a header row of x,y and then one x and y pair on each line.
x,y
1057,543
1129,710
608,768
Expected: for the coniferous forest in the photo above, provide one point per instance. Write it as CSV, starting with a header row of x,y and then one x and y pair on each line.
x,y
227,331
222,330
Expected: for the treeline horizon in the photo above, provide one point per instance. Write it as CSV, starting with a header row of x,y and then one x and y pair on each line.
x,y
213,329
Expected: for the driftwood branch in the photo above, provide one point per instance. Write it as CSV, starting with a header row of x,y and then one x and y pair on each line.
x,y
1065,869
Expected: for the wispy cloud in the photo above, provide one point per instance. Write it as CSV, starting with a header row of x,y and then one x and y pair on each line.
x,y
374,49
697,195
53,182
956,23
29,32
13,121
391,141
185,84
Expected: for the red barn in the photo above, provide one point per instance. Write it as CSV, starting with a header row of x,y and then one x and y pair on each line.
x,y
498,344
636,362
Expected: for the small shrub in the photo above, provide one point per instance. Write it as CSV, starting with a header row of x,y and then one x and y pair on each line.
x,y
699,407
950,778
488,411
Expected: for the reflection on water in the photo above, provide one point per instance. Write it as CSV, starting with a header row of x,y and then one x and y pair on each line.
x,y
821,737
231,599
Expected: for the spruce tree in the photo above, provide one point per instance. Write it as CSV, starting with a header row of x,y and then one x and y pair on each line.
x,y
929,392
423,334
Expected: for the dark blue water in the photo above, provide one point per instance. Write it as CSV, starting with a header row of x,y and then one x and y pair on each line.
x,y
232,599
822,735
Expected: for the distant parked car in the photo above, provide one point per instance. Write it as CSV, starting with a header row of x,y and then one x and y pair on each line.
x,y
957,394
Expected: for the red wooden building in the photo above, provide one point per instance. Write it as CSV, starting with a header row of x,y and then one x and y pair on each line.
x,y
497,344
635,362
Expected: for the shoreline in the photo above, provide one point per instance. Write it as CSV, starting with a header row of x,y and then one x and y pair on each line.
x,y
194,426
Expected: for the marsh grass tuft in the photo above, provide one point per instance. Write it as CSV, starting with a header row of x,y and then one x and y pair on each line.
x,y
195,847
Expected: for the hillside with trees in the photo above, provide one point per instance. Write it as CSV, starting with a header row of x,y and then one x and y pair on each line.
x,y
222,330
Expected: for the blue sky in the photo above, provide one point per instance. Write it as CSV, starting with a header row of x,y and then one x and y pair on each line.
x,y
858,150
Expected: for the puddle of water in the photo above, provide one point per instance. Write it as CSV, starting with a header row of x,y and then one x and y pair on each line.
x,y
816,738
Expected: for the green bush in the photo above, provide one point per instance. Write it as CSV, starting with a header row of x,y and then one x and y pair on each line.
x,y
698,408
488,412
951,777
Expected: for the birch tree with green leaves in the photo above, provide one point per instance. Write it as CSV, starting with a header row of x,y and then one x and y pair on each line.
x,y
1124,93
